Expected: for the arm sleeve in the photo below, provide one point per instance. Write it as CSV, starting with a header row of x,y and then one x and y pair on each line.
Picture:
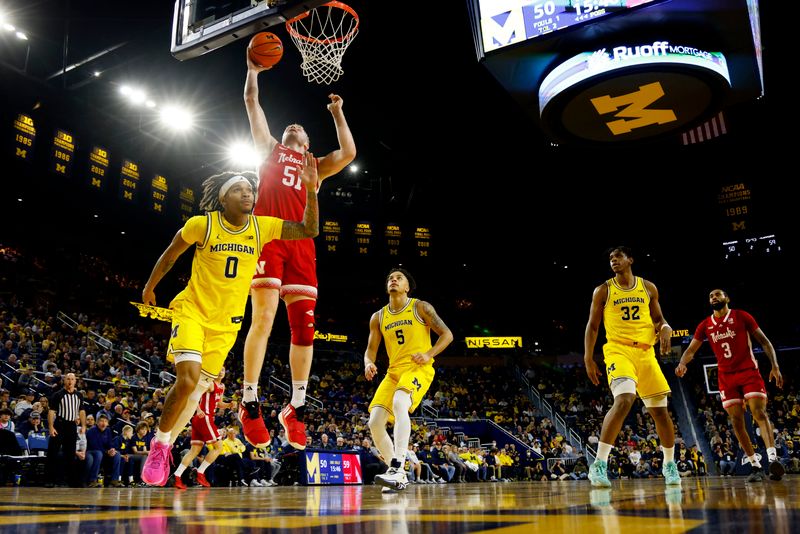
x,y
269,227
700,332
749,322
194,231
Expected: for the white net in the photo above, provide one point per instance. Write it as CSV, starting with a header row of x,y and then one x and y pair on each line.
x,y
322,35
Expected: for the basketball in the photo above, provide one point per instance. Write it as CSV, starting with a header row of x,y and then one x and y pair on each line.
x,y
265,49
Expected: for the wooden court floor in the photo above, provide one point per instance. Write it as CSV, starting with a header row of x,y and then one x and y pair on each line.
x,y
701,505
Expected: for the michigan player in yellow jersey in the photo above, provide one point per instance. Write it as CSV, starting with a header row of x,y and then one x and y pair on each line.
x,y
405,326
628,306
207,314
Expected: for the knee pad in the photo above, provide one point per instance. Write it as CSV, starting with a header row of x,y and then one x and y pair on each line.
x,y
623,385
656,402
301,321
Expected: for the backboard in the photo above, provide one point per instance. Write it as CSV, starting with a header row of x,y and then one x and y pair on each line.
x,y
200,26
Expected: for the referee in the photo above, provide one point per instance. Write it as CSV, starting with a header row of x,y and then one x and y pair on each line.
x,y
65,409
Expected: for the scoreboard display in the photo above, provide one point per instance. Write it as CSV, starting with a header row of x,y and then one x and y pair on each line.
x,y
98,167
63,153
326,468
507,22
24,137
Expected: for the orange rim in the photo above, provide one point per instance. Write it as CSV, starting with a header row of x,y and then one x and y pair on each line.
x,y
340,5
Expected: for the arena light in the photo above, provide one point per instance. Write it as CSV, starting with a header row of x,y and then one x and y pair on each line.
x,y
243,155
21,35
150,104
8,27
353,168
176,118
135,95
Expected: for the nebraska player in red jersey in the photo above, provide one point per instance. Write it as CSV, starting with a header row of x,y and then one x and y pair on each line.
x,y
205,432
728,332
284,272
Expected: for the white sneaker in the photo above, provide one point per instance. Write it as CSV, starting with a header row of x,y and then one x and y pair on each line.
x,y
271,483
263,483
394,478
256,483
243,482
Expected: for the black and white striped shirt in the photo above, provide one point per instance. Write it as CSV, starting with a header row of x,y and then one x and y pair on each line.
x,y
66,405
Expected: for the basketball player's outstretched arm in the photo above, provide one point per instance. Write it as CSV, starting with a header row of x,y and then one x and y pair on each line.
x,y
428,314
687,357
338,159
371,354
592,328
310,225
162,267
259,129
662,327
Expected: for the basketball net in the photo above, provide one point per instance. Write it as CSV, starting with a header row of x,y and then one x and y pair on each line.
x,y
322,35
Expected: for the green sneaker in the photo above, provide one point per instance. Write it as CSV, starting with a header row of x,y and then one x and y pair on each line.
x,y
671,475
598,475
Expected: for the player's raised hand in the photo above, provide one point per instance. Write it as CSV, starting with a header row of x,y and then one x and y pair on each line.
x,y
593,371
309,174
421,358
336,103
149,296
251,65
680,370
370,370
777,376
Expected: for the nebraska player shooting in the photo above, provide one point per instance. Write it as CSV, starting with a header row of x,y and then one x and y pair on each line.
x,y
289,272
205,432
728,332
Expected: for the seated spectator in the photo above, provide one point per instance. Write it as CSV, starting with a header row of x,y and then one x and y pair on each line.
x,y
559,471
5,420
581,470
33,424
232,449
324,442
100,450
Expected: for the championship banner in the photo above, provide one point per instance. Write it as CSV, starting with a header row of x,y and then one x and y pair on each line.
x,y
128,180
736,205
24,137
62,153
363,234
332,233
158,194
494,342
393,234
187,203
422,237
98,167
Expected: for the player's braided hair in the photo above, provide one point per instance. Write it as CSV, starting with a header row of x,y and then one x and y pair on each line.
x,y
212,185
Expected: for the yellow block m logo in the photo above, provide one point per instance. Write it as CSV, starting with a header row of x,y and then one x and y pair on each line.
x,y
738,225
61,168
21,153
634,107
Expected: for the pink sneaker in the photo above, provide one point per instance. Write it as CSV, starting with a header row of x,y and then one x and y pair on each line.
x,y
157,466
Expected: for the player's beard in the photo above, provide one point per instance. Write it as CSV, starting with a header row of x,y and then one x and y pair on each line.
x,y
718,305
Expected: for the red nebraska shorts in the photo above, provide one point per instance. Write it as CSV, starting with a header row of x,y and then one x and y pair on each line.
x,y
204,430
290,266
736,387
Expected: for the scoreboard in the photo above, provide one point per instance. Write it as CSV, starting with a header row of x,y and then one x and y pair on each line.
x,y
325,468
507,22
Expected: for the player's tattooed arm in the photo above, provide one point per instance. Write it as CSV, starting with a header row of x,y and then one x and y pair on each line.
x,y
162,267
432,319
310,226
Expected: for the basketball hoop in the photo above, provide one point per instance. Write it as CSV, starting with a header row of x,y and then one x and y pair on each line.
x,y
322,35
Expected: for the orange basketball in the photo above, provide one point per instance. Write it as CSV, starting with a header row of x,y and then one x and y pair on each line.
x,y
265,49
